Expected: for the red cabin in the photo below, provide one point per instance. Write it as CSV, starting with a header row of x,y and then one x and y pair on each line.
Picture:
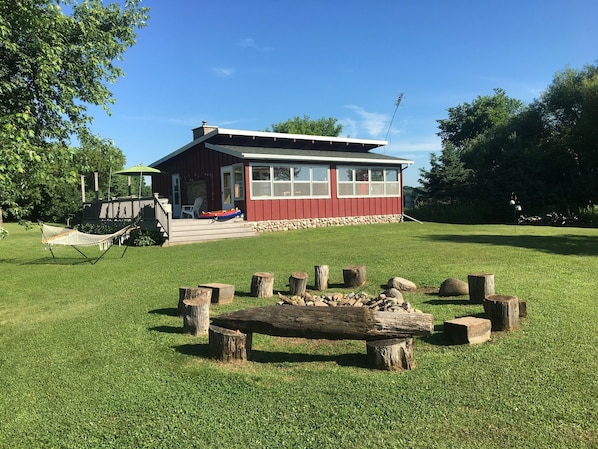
x,y
277,176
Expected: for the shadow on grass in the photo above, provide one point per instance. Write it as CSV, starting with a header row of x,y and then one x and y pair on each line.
x,y
445,302
357,360
67,261
567,244
437,338
258,356
168,329
196,350
168,311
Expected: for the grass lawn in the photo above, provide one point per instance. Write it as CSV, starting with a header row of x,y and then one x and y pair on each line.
x,y
94,356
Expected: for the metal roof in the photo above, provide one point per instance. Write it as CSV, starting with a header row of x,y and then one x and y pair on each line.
x,y
290,154
268,146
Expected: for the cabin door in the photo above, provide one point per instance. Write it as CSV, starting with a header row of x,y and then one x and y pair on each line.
x,y
176,195
227,183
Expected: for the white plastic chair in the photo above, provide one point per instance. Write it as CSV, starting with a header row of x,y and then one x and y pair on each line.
x,y
192,210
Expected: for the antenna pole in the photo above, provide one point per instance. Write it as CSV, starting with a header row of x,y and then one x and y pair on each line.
x,y
397,104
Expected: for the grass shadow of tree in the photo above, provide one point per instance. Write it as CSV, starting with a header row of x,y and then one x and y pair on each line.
x,y
168,311
567,244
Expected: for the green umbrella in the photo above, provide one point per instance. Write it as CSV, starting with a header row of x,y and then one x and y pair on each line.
x,y
140,170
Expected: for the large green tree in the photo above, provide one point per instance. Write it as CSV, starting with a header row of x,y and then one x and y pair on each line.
x,y
569,108
56,59
305,125
469,121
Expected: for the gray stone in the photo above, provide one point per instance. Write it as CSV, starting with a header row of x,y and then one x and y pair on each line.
x,y
402,284
453,287
393,293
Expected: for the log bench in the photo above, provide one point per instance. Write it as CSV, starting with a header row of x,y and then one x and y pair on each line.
x,y
388,335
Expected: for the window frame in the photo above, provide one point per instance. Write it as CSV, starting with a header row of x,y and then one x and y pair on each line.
x,y
364,184
275,183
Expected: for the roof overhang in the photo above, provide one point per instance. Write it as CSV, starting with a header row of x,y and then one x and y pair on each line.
x,y
264,138
295,155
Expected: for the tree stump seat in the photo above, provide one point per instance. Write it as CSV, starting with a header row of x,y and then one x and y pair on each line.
x,y
395,354
468,330
503,311
221,293
354,276
262,285
297,283
480,286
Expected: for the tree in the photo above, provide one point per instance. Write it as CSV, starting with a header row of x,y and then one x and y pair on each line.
x,y
58,200
52,67
569,108
470,120
321,127
447,180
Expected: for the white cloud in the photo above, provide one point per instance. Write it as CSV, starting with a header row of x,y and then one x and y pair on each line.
x,y
427,145
223,71
349,127
250,43
374,123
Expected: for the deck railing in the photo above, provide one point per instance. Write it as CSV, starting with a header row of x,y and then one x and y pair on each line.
x,y
154,212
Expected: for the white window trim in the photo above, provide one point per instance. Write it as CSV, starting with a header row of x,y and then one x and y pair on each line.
x,y
369,182
241,182
291,195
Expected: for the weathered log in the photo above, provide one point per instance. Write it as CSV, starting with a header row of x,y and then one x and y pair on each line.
x,y
221,293
228,345
321,277
354,276
331,323
503,311
480,286
262,285
190,293
522,309
394,354
297,283
196,315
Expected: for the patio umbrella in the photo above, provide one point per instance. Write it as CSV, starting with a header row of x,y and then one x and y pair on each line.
x,y
141,171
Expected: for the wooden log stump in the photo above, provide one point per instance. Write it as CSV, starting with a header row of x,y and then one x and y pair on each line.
x,y
503,311
468,330
262,285
190,293
196,316
321,277
522,309
297,283
395,354
228,345
480,286
354,276
221,293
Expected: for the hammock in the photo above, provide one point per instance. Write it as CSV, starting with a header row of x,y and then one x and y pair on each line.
x,y
56,235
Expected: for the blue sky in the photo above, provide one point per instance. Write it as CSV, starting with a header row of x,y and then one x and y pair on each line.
x,y
249,64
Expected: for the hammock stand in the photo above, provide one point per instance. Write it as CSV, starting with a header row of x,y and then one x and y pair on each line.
x,y
55,235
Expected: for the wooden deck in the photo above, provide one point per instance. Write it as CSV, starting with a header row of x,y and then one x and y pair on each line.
x,y
189,230
157,215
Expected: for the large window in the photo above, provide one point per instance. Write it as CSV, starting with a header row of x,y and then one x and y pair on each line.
x,y
289,181
368,181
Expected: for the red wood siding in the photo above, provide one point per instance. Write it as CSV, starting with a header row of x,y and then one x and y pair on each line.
x,y
195,164
200,163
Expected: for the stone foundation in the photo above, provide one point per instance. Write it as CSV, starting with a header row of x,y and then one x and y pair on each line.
x,y
288,225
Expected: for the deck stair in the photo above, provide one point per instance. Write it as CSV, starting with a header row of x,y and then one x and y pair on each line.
x,y
189,230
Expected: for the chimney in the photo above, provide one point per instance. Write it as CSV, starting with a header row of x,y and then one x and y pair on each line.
x,y
203,130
